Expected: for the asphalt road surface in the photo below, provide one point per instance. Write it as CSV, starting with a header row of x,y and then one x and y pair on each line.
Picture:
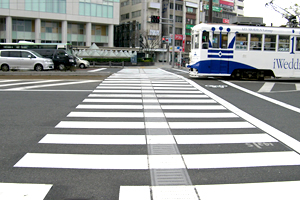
x,y
151,134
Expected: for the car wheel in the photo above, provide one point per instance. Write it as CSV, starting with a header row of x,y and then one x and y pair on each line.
x,y
81,66
61,67
5,68
38,68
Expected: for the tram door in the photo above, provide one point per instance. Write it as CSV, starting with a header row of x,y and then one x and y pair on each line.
x,y
220,63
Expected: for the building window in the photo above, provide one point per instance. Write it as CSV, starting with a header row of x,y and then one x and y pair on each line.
x,y
22,25
125,16
136,2
52,6
136,14
178,19
125,3
96,10
190,10
178,31
177,6
4,3
240,8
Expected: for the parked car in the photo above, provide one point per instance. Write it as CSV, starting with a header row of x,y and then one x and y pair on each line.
x,y
24,59
82,63
61,58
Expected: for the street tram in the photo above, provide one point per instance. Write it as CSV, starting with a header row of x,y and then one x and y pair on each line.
x,y
221,50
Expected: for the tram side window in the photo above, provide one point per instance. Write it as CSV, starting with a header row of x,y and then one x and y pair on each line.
x,y
205,40
284,43
197,41
241,41
298,44
255,42
270,43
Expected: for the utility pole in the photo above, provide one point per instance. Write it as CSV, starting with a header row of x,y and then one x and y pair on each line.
x,y
210,12
173,37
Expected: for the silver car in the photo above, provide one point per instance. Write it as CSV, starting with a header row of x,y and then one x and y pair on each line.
x,y
23,59
82,63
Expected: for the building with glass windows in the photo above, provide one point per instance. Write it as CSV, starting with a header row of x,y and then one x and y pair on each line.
x,y
79,22
188,13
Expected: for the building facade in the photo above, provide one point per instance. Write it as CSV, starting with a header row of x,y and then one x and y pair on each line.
x,y
79,22
187,14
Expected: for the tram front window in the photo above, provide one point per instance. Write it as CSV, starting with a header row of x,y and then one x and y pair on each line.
x,y
205,40
220,42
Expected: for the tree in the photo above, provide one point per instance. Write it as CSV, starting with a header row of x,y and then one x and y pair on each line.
x,y
149,42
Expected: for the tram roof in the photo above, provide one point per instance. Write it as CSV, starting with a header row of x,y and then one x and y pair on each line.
x,y
247,29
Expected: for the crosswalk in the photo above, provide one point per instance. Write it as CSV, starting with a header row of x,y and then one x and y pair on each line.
x,y
30,85
186,130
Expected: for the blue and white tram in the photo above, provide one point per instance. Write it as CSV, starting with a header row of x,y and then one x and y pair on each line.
x,y
244,51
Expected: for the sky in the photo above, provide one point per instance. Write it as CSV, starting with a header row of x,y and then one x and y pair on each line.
x,y
256,8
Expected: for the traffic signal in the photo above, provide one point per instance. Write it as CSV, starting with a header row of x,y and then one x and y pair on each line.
x,y
154,19
163,40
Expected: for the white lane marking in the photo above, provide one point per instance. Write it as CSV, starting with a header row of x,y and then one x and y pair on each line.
x,y
116,95
267,87
164,107
10,80
151,114
83,161
148,85
97,70
146,91
263,190
28,83
107,114
134,193
237,160
200,115
100,125
284,138
114,100
166,162
146,88
181,70
224,138
23,191
181,96
142,125
184,101
297,86
155,139
174,193
8,90
293,108
53,85
81,106
94,139
150,100
188,107
209,125
160,139
268,190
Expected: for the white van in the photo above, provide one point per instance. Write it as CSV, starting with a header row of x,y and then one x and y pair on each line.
x,y
23,59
